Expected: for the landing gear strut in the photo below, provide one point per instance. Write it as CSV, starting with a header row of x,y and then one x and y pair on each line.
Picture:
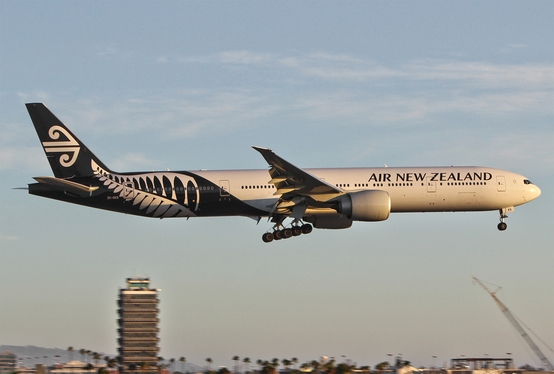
x,y
502,225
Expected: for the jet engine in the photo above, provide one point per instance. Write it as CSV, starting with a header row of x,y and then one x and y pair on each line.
x,y
373,205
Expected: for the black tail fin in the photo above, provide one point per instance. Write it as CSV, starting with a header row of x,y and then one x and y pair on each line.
x,y
67,155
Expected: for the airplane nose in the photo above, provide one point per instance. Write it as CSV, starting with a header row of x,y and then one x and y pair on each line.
x,y
534,192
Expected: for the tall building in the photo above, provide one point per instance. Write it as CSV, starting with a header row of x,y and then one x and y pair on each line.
x,y
138,326
7,362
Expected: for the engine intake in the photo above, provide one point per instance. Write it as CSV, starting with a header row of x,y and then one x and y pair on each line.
x,y
371,205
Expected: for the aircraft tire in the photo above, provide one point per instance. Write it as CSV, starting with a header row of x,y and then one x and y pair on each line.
x,y
502,226
296,230
287,233
267,237
307,228
277,235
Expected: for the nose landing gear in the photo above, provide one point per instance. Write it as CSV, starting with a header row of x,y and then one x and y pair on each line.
x,y
503,225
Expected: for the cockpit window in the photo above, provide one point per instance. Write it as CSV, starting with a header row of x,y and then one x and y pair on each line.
x,y
527,181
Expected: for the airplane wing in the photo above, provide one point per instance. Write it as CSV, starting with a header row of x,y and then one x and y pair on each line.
x,y
292,181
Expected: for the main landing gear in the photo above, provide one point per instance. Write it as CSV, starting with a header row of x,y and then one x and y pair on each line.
x,y
285,233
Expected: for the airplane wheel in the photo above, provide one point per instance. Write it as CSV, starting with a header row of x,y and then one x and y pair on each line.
x,y
277,235
287,233
502,226
307,228
267,237
296,230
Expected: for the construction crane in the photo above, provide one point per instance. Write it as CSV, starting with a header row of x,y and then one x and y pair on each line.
x,y
518,327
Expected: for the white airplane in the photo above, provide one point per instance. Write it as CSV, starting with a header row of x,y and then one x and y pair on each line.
x,y
325,198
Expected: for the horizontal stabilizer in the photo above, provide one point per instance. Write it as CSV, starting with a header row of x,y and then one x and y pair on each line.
x,y
66,186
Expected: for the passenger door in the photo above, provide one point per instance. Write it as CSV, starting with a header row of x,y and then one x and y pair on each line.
x,y
501,184
224,188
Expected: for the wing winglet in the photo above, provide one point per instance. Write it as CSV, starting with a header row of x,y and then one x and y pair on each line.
x,y
288,178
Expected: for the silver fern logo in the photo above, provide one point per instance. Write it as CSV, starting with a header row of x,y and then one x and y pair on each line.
x,y
169,201
69,148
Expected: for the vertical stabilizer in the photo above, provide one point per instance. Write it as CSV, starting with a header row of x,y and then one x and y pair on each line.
x,y
67,155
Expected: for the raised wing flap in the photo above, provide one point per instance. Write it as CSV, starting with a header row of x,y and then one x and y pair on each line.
x,y
278,179
289,179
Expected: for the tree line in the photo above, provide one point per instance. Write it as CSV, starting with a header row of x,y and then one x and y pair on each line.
x,y
291,366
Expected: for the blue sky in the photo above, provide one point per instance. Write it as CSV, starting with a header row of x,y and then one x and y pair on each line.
x,y
192,85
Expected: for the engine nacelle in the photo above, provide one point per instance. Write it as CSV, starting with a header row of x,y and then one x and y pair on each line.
x,y
373,205
329,220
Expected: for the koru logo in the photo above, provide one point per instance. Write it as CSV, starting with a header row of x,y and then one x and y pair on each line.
x,y
70,148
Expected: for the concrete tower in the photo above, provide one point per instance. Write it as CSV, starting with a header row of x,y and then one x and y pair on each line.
x,y
138,326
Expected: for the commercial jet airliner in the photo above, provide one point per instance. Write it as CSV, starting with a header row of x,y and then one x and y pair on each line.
x,y
325,198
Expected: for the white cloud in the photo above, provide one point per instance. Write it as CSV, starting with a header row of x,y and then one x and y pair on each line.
x,y
484,75
244,57
330,92
36,96
133,161
344,67
109,49
8,238
27,158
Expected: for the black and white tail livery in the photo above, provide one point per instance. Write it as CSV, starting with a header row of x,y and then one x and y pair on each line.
x,y
68,156
294,199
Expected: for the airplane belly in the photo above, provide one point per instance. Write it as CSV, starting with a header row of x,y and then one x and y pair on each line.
x,y
442,201
261,204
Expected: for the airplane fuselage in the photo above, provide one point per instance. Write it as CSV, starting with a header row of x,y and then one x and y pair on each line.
x,y
248,193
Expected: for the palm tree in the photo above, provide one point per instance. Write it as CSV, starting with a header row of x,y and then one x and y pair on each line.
x,y
286,363
236,359
70,350
270,367
183,360
82,352
160,363
330,366
171,364
315,365
382,366
143,366
260,363
295,362
246,360
96,357
110,362
344,368
209,361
